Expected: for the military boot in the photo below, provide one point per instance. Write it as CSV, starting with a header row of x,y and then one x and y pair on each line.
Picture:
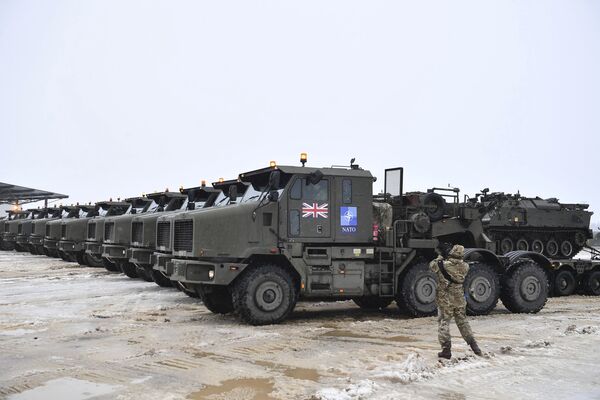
x,y
475,347
446,351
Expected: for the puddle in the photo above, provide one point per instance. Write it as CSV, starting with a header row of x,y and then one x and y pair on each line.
x,y
350,334
236,389
65,389
306,374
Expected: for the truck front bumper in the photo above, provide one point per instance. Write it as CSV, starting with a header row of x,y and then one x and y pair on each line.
x,y
140,256
23,240
114,252
50,243
195,271
159,263
70,247
36,240
93,248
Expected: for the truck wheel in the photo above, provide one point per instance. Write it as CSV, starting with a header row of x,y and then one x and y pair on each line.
x,y
482,289
506,245
417,291
93,261
80,258
552,248
45,252
591,283
110,266
182,288
127,268
264,295
372,303
161,279
434,205
566,248
63,255
564,283
217,299
525,289
143,273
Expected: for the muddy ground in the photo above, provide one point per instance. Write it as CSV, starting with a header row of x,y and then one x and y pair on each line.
x,y
75,333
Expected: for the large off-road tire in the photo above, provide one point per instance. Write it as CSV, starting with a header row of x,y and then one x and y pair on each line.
x,y
182,288
128,268
264,294
525,288
216,298
64,256
44,251
80,258
564,283
591,283
372,302
161,279
33,250
110,266
416,292
93,261
19,248
435,206
482,289
144,273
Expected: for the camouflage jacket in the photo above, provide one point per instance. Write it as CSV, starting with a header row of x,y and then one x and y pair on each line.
x,y
451,294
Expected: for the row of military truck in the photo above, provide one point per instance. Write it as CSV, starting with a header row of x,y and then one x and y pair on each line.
x,y
256,245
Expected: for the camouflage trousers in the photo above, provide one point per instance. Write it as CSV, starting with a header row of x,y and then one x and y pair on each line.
x,y
445,315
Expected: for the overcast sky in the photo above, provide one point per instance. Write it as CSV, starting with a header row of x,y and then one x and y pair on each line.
x,y
104,99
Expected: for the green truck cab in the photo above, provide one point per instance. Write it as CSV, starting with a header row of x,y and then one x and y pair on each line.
x,y
5,232
95,232
38,229
320,233
11,229
54,232
117,234
73,235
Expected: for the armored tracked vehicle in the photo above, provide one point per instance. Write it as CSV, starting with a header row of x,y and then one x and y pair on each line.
x,y
143,227
38,229
546,226
117,234
318,233
95,232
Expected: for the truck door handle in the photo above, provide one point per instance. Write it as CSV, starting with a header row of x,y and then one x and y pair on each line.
x,y
319,228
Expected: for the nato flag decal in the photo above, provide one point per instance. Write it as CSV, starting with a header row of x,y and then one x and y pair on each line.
x,y
348,219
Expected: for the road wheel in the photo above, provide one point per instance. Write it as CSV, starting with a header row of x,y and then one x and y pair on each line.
x,y
216,298
482,289
522,245
264,295
143,273
591,283
525,288
161,279
372,302
564,283
506,245
416,294
552,248
128,269
110,266
566,248
537,246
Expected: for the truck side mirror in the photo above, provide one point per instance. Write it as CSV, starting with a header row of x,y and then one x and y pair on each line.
x,y
274,179
233,193
315,177
273,196
133,211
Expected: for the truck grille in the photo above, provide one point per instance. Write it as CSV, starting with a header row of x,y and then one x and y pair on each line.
x,y
63,231
32,229
20,229
91,231
163,234
47,230
137,230
183,235
109,230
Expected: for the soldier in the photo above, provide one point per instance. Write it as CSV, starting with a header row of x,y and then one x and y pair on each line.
x,y
451,271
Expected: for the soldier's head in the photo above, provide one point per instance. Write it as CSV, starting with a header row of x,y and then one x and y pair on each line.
x,y
443,249
457,252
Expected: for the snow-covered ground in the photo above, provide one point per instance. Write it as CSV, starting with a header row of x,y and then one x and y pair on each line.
x,y
75,333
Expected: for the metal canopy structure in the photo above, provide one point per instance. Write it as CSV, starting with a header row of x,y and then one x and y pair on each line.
x,y
14,194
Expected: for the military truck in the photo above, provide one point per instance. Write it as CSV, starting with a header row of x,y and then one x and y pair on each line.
x,y
25,227
11,230
95,232
4,224
73,235
143,227
319,233
516,222
38,229
117,234
227,194
54,232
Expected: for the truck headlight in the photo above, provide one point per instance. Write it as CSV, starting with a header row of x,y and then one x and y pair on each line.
x,y
211,274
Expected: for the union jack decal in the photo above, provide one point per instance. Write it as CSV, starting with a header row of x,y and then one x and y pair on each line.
x,y
315,210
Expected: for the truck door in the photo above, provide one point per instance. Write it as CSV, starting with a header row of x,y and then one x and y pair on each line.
x,y
308,208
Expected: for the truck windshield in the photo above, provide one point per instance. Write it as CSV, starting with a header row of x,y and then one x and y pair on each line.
x,y
102,212
221,200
